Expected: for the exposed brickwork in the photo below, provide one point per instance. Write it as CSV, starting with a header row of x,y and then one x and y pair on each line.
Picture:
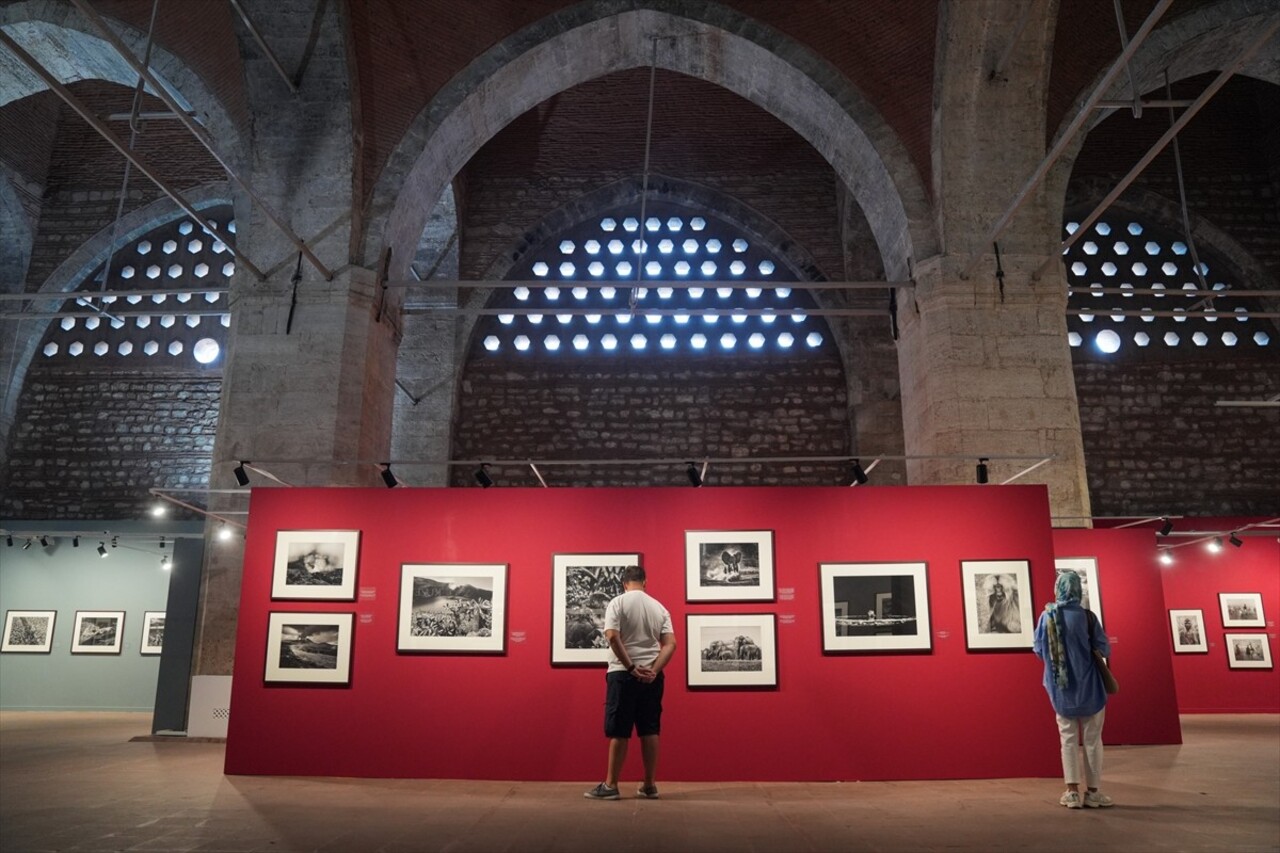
x,y
90,443
27,125
638,408
1155,443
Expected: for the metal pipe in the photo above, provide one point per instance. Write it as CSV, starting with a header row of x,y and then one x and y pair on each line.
x,y
1190,113
780,313
160,494
651,284
105,132
91,295
1136,103
257,36
1153,104
1247,404
200,134
998,69
1151,291
1060,146
56,315
677,460
1221,315
538,474
149,115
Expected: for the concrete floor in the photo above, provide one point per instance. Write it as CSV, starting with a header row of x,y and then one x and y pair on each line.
x,y
75,781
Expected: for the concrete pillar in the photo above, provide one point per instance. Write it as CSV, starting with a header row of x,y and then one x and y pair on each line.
x,y
310,368
982,375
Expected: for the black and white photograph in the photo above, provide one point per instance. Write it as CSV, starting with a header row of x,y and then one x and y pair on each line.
x,y
732,650
1248,651
1188,631
28,631
1087,569
1241,610
98,632
874,607
582,585
152,642
997,604
309,648
453,607
315,564
729,565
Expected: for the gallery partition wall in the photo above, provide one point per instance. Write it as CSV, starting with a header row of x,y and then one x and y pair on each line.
x,y
825,633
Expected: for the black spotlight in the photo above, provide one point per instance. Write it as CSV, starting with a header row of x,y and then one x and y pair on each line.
x,y
75,541
859,474
388,477
242,476
44,541
161,543
27,544
1236,540
695,479
482,476
8,539
102,550
982,470
1166,528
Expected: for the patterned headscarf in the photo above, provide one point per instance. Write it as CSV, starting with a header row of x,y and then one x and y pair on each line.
x,y
1066,590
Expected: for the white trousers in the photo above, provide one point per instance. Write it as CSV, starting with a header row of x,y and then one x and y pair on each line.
x,y
1075,733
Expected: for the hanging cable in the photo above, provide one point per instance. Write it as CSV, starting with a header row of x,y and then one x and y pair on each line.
x,y
999,270
1182,196
643,245
134,127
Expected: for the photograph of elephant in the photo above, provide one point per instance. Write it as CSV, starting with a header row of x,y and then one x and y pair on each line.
x,y
315,564
732,650
309,647
452,608
997,604
874,607
582,585
729,565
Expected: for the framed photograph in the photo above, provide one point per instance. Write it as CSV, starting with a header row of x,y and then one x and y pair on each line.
x,y
728,565
1087,569
315,564
29,631
1188,631
732,650
312,648
582,585
98,632
997,604
1241,609
874,607
453,607
1248,651
152,642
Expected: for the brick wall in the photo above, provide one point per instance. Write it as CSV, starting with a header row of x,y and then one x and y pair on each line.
x,y
89,444
629,408
1154,442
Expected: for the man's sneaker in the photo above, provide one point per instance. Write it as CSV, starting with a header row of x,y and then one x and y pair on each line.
x,y
1072,800
1098,800
604,792
649,793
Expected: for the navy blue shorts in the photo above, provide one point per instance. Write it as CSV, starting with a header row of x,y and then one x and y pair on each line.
x,y
631,704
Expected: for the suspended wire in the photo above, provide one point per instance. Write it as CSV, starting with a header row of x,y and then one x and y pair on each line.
x,y
643,245
134,129
1182,196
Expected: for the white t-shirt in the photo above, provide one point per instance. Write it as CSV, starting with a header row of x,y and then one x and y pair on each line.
x,y
641,621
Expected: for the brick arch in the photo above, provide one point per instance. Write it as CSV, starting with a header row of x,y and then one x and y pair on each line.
x,y
25,335
704,40
66,44
1188,46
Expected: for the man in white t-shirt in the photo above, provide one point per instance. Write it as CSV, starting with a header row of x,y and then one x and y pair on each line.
x,y
641,642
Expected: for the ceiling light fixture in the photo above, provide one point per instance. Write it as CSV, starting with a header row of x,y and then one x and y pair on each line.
x,y
224,532
1166,528
8,539
75,541
388,477
102,550
1235,540
44,541
983,474
27,544
164,562
1215,545
695,479
859,474
158,510
1166,559
482,476
242,476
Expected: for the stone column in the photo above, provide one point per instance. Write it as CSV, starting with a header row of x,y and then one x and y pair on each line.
x,y
982,375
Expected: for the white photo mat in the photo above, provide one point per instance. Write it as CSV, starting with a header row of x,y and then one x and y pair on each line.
x,y
852,624
731,650
315,565
466,600
152,640
997,604
312,648
578,602
28,631
729,565
1188,631
1087,569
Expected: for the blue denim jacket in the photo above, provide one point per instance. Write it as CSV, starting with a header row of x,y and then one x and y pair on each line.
x,y
1084,694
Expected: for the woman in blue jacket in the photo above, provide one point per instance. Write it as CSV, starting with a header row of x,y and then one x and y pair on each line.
x,y
1066,638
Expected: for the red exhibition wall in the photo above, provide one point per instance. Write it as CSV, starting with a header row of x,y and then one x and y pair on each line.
x,y
945,713
1205,683
1145,711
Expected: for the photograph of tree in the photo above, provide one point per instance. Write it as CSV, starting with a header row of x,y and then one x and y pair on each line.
x,y
452,608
